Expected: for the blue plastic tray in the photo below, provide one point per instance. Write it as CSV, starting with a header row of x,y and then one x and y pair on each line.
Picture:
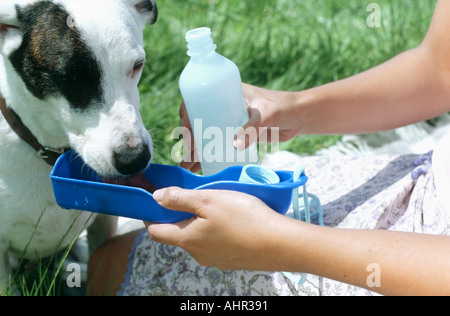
x,y
76,186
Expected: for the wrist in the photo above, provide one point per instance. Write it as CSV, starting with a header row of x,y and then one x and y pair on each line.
x,y
302,106
286,245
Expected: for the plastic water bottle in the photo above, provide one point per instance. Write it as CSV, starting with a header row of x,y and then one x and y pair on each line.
x,y
211,87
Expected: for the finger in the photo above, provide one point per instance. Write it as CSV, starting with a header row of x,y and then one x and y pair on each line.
x,y
191,161
187,164
193,167
168,234
178,199
196,167
185,122
249,133
188,139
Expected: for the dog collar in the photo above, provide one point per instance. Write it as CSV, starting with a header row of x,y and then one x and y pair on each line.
x,y
49,155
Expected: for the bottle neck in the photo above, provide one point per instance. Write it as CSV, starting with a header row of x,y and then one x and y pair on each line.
x,y
200,42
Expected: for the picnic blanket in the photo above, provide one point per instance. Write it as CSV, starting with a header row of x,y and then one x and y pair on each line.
x,y
392,192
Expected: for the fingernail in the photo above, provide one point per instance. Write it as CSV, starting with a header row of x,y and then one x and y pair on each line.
x,y
239,144
159,195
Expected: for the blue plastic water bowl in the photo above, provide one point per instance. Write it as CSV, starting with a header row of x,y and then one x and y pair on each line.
x,y
76,186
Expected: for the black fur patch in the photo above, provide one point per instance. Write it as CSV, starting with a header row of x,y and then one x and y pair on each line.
x,y
146,5
53,60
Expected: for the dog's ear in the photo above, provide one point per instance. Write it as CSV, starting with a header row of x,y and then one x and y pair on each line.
x,y
8,17
148,9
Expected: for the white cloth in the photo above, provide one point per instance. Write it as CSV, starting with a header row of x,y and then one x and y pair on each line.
x,y
441,167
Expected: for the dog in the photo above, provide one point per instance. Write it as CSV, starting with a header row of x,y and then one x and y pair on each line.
x,y
69,74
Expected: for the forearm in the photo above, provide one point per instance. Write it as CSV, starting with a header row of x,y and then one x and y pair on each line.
x,y
405,90
234,231
409,264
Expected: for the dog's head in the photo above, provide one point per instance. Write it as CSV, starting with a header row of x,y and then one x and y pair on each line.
x,y
71,70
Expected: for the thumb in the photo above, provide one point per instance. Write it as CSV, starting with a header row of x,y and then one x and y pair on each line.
x,y
248,134
178,199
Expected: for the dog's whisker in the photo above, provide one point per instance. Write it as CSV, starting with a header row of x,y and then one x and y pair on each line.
x,y
74,155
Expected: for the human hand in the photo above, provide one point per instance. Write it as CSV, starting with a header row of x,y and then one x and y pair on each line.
x,y
272,113
190,161
273,118
231,230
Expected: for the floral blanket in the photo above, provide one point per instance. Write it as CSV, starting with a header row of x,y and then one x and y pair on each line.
x,y
361,192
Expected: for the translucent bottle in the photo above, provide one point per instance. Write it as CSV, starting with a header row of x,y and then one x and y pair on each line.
x,y
211,87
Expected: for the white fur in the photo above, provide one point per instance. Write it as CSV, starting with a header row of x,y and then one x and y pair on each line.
x,y
113,30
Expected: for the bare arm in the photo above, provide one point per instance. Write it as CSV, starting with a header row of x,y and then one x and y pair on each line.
x,y
409,264
405,90
233,231
409,88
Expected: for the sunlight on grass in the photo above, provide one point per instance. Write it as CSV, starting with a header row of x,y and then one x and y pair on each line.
x,y
284,45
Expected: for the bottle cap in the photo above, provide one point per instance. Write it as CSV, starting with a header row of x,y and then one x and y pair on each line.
x,y
258,175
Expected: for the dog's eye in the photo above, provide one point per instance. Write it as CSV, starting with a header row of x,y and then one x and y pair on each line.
x,y
138,66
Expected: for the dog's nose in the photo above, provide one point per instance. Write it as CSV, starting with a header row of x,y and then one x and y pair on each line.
x,y
129,160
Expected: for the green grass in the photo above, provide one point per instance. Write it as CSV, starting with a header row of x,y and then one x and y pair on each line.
x,y
41,276
278,44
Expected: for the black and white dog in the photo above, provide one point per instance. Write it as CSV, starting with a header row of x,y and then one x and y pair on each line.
x,y
69,71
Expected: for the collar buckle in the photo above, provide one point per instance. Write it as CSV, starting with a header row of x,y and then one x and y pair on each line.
x,y
50,155
45,152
